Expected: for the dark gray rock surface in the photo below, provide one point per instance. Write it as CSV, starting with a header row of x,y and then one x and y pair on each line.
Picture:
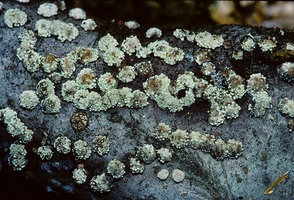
x,y
268,144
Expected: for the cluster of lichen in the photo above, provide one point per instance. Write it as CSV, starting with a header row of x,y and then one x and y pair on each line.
x,y
257,87
205,142
17,156
63,31
15,127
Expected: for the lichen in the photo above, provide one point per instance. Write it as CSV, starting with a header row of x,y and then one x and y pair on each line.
x,y
178,175
107,82
86,79
130,45
101,145
116,169
147,153
79,175
207,40
163,174
77,13
82,150
113,56
127,74
44,88
63,31
286,106
49,63
15,127
136,166
28,99
164,155
17,157
51,104
62,144
99,183
179,138
47,9
107,42
88,24
153,32
15,18
45,152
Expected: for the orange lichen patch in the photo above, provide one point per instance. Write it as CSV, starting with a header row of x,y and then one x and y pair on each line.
x,y
282,178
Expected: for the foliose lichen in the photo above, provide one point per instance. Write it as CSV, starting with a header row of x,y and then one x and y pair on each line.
x,y
147,153
47,9
136,166
62,144
101,145
45,152
15,17
28,99
116,169
82,150
99,183
63,31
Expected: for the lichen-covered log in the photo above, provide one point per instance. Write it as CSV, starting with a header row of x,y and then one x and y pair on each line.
x,y
105,110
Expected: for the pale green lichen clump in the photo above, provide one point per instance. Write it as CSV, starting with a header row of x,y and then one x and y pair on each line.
x,y
51,104
77,13
267,44
116,169
127,74
17,156
45,152
68,90
79,175
162,132
101,145
81,99
100,183
15,127
153,32
107,42
49,63
28,99
286,106
163,50
130,45
44,88
62,144
86,79
47,9
262,101
248,44
179,138
82,150
113,56
136,166
31,59
15,17
88,24
63,31
164,155
147,153
107,82
207,40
